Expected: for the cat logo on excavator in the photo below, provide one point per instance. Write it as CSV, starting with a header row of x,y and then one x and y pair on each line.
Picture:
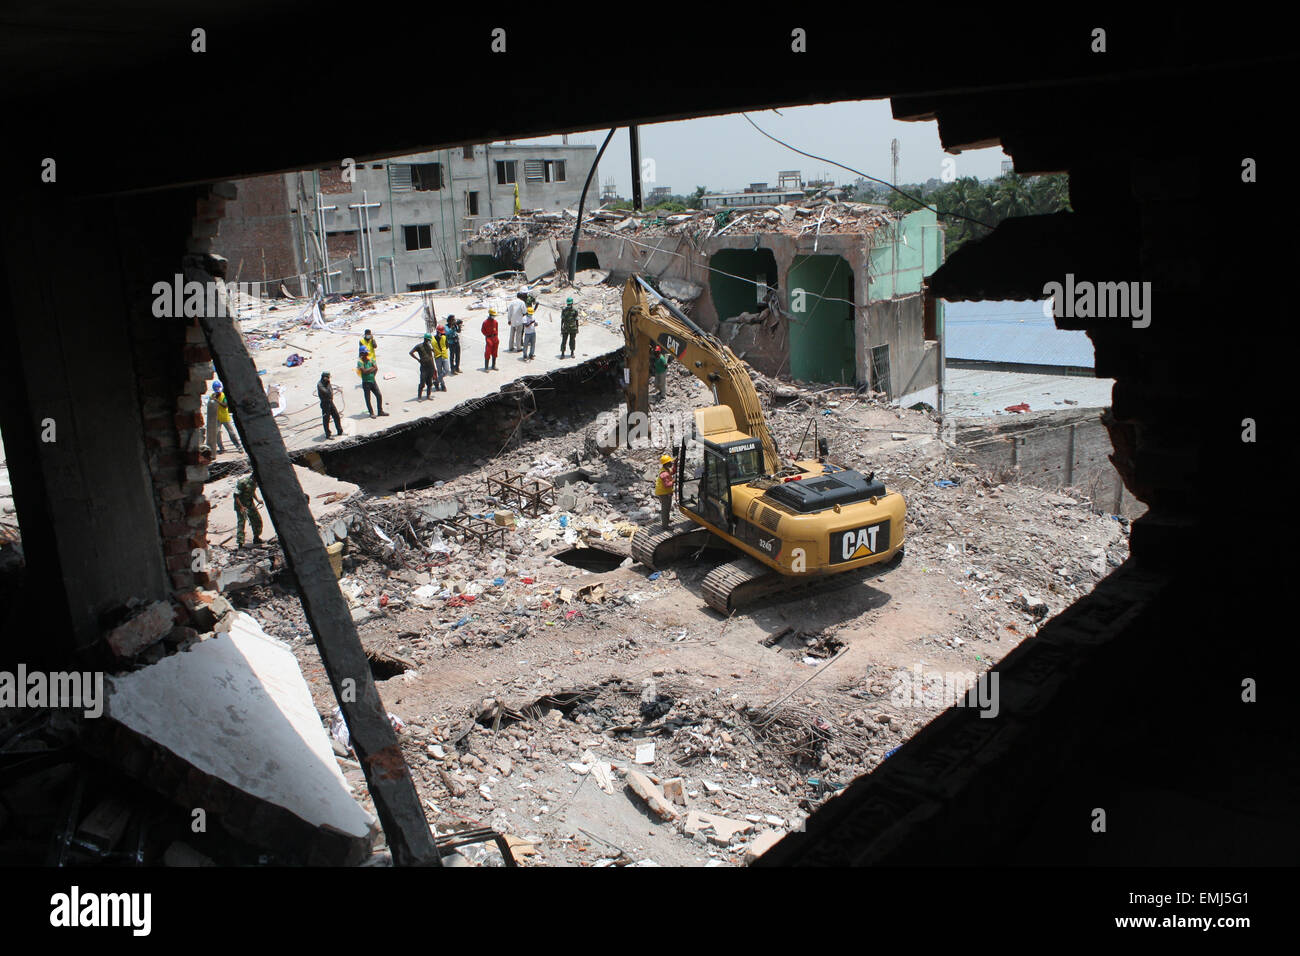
x,y
859,542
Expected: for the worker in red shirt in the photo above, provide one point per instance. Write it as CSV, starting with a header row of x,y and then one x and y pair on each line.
x,y
490,340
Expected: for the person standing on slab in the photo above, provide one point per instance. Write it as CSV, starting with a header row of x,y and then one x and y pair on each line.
x,y
214,427
515,312
453,343
440,357
490,340
370,345
423,353
367,368
568,327
530,335
224,418
328,410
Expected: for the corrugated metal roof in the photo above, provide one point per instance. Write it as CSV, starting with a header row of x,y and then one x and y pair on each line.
x,y
1011,331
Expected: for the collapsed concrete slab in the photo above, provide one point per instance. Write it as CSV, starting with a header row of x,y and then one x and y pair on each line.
x,y
229,727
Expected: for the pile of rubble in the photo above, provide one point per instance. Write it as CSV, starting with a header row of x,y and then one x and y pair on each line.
x,y
509,237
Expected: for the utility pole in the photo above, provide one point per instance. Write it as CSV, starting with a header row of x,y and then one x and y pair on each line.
x,y
634,140
363,223
893,279
321,209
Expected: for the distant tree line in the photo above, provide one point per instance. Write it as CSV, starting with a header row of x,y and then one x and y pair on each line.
x,y
990,202
669,205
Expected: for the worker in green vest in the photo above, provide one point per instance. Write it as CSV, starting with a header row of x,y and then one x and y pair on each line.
x,y
659,366
367,368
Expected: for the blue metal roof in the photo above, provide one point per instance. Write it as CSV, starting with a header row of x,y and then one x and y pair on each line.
x,y
1009,331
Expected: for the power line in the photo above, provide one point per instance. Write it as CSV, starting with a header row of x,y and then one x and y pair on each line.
x,y
918,201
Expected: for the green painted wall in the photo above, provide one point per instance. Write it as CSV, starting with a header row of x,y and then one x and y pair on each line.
x,y
736,291
920,252
479,266
822,335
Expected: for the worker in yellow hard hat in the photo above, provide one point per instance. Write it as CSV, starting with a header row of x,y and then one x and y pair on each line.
x,y
664,488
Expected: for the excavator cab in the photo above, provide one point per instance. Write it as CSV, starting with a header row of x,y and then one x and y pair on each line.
x,y
707,470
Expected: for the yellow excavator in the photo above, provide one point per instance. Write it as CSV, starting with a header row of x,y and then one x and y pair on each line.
x,y
794,522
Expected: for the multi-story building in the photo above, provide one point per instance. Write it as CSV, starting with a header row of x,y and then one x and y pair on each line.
x,y
751,197
395,225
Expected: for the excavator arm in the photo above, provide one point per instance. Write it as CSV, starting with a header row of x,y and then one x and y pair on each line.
x,y
649,320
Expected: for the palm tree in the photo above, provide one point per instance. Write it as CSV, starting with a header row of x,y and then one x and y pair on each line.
x,y
1050,193
1012,197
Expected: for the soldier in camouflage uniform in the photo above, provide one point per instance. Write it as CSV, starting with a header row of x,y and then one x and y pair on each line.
x,y
246,502
568,328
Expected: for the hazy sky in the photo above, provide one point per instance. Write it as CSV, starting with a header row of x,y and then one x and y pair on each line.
x,y
725,152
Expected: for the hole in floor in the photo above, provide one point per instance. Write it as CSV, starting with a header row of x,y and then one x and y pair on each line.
x,y
383,668
813,645
590,559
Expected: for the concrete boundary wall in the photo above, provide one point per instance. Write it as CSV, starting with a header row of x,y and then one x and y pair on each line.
x,y
1066,449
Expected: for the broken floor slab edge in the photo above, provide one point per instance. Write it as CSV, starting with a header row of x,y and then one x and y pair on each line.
x,y
146,761
464,409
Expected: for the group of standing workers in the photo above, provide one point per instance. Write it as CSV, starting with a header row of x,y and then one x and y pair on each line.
x,y
521,318
438,355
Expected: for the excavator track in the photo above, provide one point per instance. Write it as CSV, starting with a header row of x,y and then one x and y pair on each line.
x,y
736,583
731,586
657,548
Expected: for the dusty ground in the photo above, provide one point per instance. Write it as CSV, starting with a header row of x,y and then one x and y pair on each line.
x,y
758,734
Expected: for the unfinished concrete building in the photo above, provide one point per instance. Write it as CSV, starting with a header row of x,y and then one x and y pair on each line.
x,y
390,226
823,292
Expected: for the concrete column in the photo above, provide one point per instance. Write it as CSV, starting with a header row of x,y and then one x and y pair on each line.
x,y
79,271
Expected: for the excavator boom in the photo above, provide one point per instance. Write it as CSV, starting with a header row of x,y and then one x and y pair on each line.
x,y
794,523
649,320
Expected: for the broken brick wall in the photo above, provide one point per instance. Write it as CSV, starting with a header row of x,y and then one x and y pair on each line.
x,y
258,234
175,368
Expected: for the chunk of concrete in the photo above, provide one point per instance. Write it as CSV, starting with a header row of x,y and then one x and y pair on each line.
x,y
651,794
239,576
441,509
182,854
718,829
539,260
143,629
762,843
680,289
230,724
